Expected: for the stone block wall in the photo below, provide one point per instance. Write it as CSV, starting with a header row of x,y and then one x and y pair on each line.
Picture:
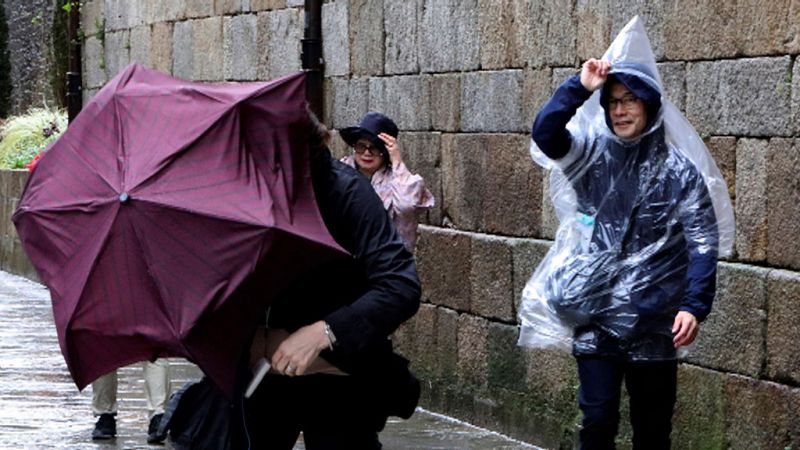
x,y
464,79
12,257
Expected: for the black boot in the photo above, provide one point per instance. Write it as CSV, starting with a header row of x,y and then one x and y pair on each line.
x,y
105,428
153,436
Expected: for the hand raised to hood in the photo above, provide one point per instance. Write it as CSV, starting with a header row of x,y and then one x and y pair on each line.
x,y
594,73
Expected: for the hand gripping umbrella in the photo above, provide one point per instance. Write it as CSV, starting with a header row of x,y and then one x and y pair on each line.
x,y
168,216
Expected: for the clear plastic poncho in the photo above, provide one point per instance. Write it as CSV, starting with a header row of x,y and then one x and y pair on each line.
x,y
632,217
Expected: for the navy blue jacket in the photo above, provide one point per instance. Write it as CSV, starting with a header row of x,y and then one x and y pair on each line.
x,y
642,195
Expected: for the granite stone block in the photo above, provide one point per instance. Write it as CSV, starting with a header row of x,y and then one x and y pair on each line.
x,y
94,63
401,20
751,190
783,334
208,53
673,77
182,40
716,19
141,47
117,52
699,417
443,257
473,351
161,47
723,150
536,90
335,40
422,154
267,5
285,31
547,31
446,102
760,414
240,47
732,337
166,11
491,278
783,207
733,97
449,36
366,26
512,202
350,100
406,99
199,8
526,255
490,102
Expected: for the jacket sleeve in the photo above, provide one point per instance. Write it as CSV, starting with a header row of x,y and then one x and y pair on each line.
x,y
393,292
549,130
702,240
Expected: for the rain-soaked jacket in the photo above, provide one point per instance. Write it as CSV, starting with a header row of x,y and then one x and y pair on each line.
x,y
638,239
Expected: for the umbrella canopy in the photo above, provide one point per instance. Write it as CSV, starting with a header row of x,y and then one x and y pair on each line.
x,y
168,215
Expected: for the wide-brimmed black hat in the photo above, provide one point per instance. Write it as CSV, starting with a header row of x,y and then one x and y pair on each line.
x,y
372,124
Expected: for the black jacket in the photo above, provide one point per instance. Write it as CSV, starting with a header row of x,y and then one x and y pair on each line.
x,y
365,298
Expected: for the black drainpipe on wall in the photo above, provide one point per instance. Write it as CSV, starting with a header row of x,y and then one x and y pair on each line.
x,y
312,55
74,81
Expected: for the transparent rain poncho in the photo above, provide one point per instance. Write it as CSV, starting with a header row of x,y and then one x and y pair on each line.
x,y
631,217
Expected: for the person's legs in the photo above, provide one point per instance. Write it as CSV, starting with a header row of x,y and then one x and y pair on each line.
x,y
271,420
156,392
104,405
156,385
104,394
330,411
351,423
598,398
652,390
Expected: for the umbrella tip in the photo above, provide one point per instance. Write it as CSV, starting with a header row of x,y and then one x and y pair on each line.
x,y
124,197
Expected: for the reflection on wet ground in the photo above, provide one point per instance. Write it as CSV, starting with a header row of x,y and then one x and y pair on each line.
x,y
40,407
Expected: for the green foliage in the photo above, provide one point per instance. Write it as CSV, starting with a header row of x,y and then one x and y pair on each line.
x,y
23,137
5,65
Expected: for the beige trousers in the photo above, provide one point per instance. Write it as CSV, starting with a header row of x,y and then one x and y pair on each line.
x,y
156,389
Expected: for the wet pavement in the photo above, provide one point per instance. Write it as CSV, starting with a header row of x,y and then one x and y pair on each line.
x,y
40,407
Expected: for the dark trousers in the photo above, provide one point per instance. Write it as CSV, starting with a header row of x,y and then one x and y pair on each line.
x,y
651,387
332,411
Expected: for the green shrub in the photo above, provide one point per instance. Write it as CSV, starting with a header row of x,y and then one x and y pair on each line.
x,y
23,137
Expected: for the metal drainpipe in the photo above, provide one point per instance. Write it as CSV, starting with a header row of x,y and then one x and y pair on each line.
x,y
313,63
74,81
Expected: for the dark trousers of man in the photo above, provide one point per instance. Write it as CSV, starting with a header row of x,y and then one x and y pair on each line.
x,y
333,412
651,387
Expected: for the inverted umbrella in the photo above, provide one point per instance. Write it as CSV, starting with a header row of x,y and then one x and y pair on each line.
x,y
167,217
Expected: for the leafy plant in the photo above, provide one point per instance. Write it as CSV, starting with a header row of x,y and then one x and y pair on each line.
x,y
23,137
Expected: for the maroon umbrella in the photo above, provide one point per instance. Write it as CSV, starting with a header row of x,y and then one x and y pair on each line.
x,y
168,216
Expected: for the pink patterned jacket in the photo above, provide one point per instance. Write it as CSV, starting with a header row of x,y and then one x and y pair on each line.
x,y
403,194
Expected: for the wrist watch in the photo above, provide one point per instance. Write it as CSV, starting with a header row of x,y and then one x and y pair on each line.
x,y
331,336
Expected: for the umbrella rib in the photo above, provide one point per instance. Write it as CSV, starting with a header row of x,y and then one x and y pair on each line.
x,y
204,213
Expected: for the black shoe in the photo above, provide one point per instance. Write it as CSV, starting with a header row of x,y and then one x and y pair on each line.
x,y
105,428
153,436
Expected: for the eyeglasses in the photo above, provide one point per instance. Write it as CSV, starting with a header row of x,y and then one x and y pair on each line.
x,y
627,102
361,147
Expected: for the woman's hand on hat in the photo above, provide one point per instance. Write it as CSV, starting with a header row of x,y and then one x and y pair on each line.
x,y
392,148
594,73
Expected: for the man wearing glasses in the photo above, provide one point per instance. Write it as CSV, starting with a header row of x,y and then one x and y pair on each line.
x,y
641,273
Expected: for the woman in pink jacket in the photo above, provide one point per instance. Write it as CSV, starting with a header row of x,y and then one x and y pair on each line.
x,y
376,154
